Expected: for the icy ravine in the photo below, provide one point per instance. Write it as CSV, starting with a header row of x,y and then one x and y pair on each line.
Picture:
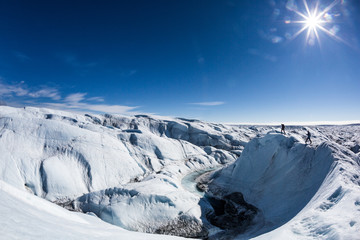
x,y
100,153
128,170
64,157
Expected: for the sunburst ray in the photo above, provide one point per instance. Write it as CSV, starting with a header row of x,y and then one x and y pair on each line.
x,y
313,20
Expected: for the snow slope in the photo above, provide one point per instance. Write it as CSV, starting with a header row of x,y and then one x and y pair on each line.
x,y
313,190
25,216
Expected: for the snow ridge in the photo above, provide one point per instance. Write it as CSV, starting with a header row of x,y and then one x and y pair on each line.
x,y
285,179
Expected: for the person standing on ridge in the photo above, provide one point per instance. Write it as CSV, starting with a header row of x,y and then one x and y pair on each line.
x,y
282,128
308,137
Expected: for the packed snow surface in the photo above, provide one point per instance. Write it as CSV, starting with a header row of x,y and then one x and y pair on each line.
x,y
138,173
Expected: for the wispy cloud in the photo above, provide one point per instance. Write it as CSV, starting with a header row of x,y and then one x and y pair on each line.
x,y
99,108
200,59
96,99
128,73
20,94
271,36
208,103
21,90
21,56
78,101
132,72
46,92
74,61
16,89
75,97
265,56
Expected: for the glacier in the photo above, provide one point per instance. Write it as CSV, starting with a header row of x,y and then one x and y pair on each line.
x,y
139,173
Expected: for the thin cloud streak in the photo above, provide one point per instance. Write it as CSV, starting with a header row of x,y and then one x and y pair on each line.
x,y
46,93
74,101
102,108
96,99
73,61
17,89
265,56
75,97
21,56
20,90
208,103
78,101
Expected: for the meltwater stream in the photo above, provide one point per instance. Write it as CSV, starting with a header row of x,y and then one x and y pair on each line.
x,y
189,181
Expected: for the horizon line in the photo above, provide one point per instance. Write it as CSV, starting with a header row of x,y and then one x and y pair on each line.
x,y
305,123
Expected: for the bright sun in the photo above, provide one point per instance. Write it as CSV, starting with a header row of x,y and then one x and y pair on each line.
x,y
314,21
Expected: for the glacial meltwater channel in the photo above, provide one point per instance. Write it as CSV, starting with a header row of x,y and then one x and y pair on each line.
x,y
189,183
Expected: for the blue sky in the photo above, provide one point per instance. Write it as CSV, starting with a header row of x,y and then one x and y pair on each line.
x,y
224,61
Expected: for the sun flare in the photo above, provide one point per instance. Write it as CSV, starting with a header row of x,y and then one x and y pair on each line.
x,y
313,21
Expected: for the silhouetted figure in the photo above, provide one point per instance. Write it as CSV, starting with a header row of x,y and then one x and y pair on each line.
x,y
282,128
308,137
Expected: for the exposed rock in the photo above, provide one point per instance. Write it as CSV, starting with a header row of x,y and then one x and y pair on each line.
x,y
232,212
184,226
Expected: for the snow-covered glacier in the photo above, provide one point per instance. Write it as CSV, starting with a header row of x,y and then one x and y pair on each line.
x,y
114,164
129,172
